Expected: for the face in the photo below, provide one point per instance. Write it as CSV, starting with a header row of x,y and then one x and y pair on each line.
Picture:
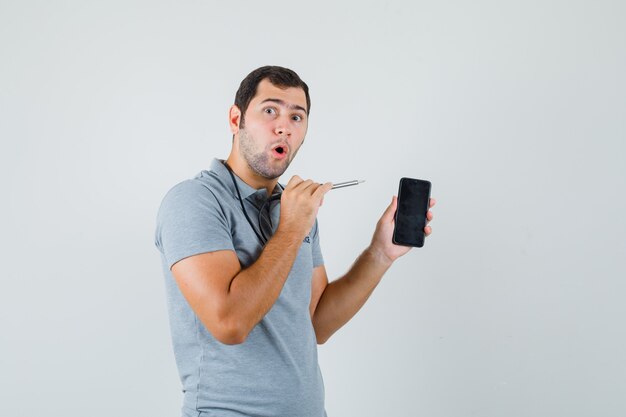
x,y
275,126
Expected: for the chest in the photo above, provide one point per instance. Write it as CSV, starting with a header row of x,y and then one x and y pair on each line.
x,y
297,288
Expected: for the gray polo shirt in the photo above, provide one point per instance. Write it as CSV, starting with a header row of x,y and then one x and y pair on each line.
x,y
275,371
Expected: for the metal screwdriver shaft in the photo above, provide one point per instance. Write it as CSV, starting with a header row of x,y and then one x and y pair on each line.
x,y
347,184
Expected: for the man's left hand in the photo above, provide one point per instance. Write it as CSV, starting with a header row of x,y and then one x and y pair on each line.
x,y
382,244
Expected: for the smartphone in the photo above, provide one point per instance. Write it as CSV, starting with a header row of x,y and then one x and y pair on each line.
x,y
410,218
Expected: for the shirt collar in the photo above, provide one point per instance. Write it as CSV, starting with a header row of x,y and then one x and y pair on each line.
x,y
247,192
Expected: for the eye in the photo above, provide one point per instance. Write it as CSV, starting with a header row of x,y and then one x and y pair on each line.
x,y
269,110
296,118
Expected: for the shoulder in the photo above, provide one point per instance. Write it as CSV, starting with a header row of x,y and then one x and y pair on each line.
x,y
204,182
203,191
186,192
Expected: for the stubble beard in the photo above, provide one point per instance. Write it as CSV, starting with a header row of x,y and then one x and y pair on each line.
x,y
259,160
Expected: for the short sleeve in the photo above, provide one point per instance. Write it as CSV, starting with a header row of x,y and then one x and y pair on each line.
x,y
316,249
191,221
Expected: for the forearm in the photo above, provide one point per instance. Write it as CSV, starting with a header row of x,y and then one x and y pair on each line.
x,y
344,297
254,290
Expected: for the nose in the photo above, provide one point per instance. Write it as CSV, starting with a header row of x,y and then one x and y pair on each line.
x,y
282,127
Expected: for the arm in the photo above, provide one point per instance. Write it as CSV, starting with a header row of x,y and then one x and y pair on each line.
x,y
229,300
334,304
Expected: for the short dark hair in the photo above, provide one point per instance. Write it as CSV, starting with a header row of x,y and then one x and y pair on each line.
x,y
278,76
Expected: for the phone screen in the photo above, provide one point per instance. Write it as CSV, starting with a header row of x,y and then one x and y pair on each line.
x,y
413,199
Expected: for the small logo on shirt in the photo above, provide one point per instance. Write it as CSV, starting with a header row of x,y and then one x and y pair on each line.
x,y
307,239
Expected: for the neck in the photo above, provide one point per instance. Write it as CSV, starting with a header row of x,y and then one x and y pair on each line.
x,y
254,180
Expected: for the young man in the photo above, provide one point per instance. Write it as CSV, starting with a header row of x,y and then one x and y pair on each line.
x,y
248,295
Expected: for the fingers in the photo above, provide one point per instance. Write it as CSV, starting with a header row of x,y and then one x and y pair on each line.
x,y
300,202
322,189
309,185
300,184
293,182
429,216
305,185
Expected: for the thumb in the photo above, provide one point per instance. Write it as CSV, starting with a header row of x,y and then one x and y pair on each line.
x,y
391,210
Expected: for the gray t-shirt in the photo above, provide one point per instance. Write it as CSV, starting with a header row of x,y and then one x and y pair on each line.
x,y
275,371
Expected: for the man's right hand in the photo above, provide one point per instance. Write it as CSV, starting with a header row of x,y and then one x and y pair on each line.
x,y
299,204
241,297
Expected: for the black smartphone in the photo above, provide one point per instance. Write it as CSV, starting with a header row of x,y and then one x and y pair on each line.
x,y
410,219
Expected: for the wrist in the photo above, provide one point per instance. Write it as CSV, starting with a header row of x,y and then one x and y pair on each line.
x,y
379,256
290,234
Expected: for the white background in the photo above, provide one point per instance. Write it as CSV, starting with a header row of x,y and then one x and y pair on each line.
x,y
515,110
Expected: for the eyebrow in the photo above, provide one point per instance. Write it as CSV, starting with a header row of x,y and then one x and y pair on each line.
x,y
283,103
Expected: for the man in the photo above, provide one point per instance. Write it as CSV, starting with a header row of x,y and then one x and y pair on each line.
x,y
248,295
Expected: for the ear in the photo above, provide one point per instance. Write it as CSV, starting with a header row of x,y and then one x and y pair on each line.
x,y
234,117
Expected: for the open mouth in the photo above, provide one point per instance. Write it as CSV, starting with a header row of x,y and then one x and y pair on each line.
x,y
280,151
